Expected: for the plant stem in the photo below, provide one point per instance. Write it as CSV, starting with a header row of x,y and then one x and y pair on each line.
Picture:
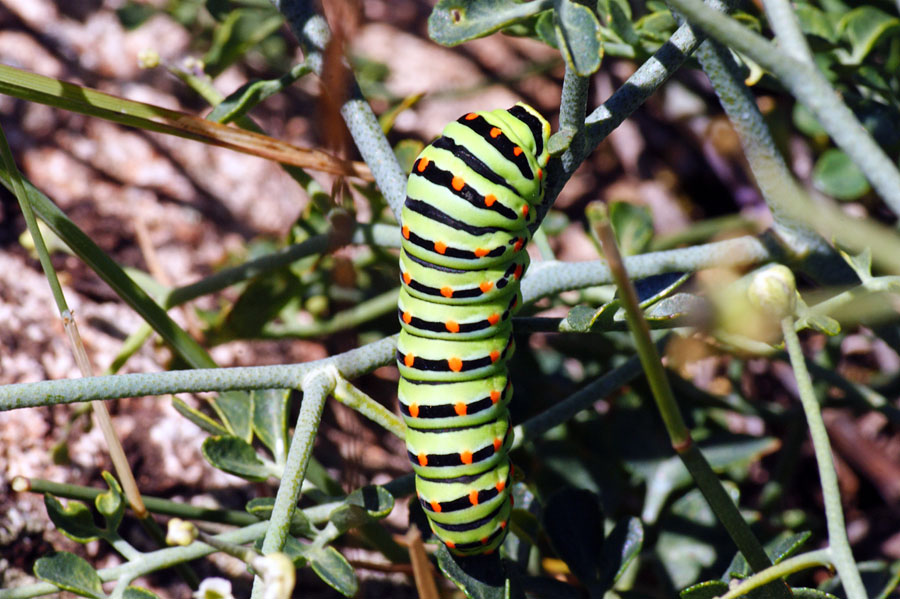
x,y
821,557
810,87
834,516
722,505
354,398
316,388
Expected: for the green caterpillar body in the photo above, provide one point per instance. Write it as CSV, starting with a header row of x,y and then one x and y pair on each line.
x,y
471,197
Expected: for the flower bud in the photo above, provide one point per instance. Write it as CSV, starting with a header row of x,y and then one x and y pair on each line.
x,y
774,291
214,588
180,532
148,58
277,572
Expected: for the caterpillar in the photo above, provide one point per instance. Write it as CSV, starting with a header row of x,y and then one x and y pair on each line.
x,y
472,197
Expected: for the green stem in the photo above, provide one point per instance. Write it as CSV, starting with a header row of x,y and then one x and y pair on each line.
x,y
316,388
775,181
821,557
702,473
350,318
834,515
154,504
810,87
354,398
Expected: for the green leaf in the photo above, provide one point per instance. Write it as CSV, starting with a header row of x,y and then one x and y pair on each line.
x,y
235,456
836,175
453,22
582,319
806,121
709,589
616,14
241,30
560,141
235,409
243,99
681,305
633,226
270,411
376,500
138,593
656,287
406,152
133,14
111,504
479,577
346,517
665,476
861,263
621,546
578,37
814,21
524,525
199,418
573,522
333,569
864,27
74,520
261,507
685,551
70,573
546,32
778,549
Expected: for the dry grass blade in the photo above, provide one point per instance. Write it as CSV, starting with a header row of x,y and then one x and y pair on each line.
x,y
84,100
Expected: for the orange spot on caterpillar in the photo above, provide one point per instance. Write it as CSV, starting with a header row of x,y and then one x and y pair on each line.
x,y
422,164
518,273
484,541
471,116
486,286
409,360
481,252
450,544
495,132
414,410
525,210
436,507
495,396
407,278
520,243
405,231
452,326
500,486
493,318
455,364
460,408
495,355
473,497
540,174
423,459
457,183
497,443
490,552
515,302
466,458
489,200
503,524
440,247
407,317
517,150
446,291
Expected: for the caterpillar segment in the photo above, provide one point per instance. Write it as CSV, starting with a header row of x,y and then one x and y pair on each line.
x,y
472,197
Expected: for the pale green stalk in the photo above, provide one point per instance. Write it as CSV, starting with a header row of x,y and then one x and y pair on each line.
x,y
356,399
316,388
839,544
797,563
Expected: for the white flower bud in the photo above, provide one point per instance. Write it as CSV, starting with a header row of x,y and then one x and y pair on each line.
x,y
180,532
774,291
214,588
277,572
148,58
